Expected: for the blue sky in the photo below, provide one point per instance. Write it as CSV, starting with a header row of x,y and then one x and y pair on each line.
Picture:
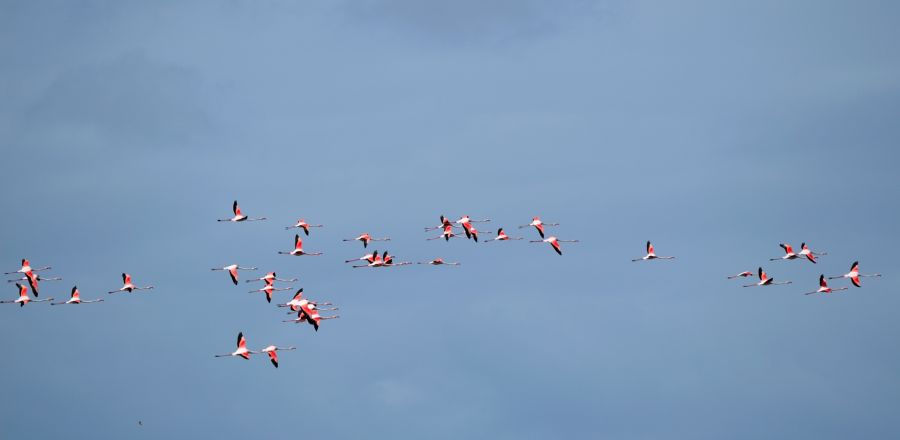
x,y
715,130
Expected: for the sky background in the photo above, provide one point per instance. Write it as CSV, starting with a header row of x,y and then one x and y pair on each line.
x,y
716,130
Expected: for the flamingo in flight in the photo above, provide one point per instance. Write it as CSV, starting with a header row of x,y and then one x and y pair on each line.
x,y
75,298
554,242
366,257
312,315
128,286
298,301
764,280
538,225
446,235
238,216
789,253
270,278
743,274
854,274
26,268
302,224
389,260
375,260
651,254
298,248
242,350
823,287
268,289
272,352
38,277
23,297
233,271
365,238
471,232
438,262
805,251
444,223
501,236
465,220
302,317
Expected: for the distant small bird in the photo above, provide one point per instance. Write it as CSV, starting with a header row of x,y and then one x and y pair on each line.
x,y
75,298
651,254
242,350
238,216
465,220
854,275
538,225
743,274
298,249
302,224
764,280
823,287
128,286
554,242
233,271
365,238
444,223
446,235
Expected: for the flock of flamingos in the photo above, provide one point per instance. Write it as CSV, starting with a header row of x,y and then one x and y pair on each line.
x,y
308,310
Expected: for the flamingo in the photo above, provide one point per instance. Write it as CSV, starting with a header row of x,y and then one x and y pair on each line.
x,y
854,274
444,223
788,253
823,287
764,280
471,232
438,262
501,236
37,277
805,251
298,249
75,298
273,356
389,260
313,317
464,220
268,289
539,225
375,261
365,238
743,274
446,235
302,224
651,255
298,301
26,268
127,285
554,242
233,271
301,316
23,297
242,350
238,216
271,277
366,257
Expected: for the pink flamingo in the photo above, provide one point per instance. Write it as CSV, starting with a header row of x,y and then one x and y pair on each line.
x,y
805,251
75,298
788,253
743,274
271,277
238,216
273,356
764,280
23,297
302,224
538,225
242,350
823,287
298,249
128,286
854,275
554,242
438,262
268,289
501,236
26,268
651,255
365,238
233,271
